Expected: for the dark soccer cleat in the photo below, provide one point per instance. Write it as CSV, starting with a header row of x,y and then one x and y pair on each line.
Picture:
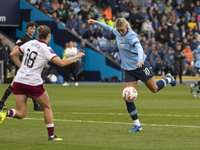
x,y
55,138
136,128
38,108
173,81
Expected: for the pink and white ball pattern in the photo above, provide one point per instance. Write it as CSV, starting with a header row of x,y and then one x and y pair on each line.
x,y
129,94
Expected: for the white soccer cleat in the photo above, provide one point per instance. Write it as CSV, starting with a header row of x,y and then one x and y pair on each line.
x,y
65,84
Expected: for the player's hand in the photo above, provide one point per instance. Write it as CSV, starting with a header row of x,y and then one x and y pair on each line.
x,y
92,21
139,64
80,54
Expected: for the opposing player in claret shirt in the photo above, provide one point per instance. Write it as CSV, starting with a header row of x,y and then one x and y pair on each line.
x,y
28,81
30,28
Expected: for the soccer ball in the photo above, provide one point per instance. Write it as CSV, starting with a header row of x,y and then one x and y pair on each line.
x,y
129,94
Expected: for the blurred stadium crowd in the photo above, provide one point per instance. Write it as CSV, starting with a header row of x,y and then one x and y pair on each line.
x,y
163,26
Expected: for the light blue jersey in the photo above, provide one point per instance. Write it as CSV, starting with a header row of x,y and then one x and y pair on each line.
x,y
129,47
197,51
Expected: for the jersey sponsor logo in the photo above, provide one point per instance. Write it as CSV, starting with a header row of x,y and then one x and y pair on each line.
x,y
52,52
135,40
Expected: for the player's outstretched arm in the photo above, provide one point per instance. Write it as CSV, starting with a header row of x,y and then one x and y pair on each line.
x,y
15,55
65,62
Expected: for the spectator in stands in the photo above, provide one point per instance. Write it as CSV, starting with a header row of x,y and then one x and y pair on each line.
x,y
83,12
111,22
98,32
183,9
70,11
54,17
123,6
183,21
64,2
143,3
79,21
165,32
193,44
91,41
38,4
173,16
169,61
82,29
150,13
93,12
155,23
138,19
163,20
103,19
153,41
88,17
143,40
150,51
175,32
178,62
187,16
47,5
145,47
182,31
71,23
171,41
184,43
4,56
191,7
197,7
168,8
159,36
178,11
89,32
156,62
169,23
55,5
108,13
70,51
161,50
130,6
147,29
62,13
192,23
187,51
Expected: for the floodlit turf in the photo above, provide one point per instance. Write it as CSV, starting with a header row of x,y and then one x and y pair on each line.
x,y
94,117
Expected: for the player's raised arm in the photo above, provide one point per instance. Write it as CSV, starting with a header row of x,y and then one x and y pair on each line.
x,y
67,61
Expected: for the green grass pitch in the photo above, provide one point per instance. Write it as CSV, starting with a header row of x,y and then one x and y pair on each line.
x,y
94,117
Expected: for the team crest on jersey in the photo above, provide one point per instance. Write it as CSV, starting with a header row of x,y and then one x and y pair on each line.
x,y
123,40
52,52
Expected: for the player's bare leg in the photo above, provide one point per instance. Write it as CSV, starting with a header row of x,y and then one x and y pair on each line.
x,y
43,100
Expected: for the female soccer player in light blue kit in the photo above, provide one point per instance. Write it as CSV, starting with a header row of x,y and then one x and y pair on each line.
x,y
134,64
197,69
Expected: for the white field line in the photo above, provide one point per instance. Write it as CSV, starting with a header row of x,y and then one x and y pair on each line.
x,y
40,112
120,123
122,114
125,114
